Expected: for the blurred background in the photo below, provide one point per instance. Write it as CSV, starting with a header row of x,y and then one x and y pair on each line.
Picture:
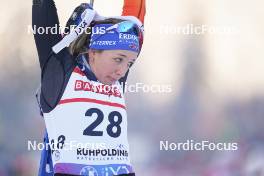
x,y
216,77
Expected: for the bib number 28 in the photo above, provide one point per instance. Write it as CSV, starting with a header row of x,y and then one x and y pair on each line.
x,y
113,128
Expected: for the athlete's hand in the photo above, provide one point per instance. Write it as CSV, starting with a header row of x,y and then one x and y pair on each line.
x,y
76,16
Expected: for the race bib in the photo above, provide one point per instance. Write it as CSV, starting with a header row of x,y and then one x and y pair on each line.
x,y
88,133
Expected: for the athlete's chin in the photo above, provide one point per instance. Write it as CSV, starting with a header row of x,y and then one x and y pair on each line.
x,y
108,82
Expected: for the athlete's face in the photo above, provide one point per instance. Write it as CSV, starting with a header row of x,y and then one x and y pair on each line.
x,y
111,65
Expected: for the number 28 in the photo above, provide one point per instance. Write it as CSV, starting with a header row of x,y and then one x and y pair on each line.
x,y
89,131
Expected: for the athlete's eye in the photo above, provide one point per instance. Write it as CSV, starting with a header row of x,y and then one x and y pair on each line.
x,y
130,64
118,59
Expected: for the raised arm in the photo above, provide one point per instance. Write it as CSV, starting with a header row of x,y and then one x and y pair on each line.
x,y
44,15
135,8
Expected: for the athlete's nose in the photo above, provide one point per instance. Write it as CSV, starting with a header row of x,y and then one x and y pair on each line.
x,y
121,70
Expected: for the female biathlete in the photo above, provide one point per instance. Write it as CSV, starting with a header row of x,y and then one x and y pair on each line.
x,y
82,95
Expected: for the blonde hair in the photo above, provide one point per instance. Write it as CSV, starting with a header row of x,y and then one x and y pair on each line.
x,y
80,44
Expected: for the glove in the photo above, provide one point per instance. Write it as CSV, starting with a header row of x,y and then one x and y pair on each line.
x,y
76,16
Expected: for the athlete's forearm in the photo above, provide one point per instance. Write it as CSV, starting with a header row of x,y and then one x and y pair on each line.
x,y
135,8
44,16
